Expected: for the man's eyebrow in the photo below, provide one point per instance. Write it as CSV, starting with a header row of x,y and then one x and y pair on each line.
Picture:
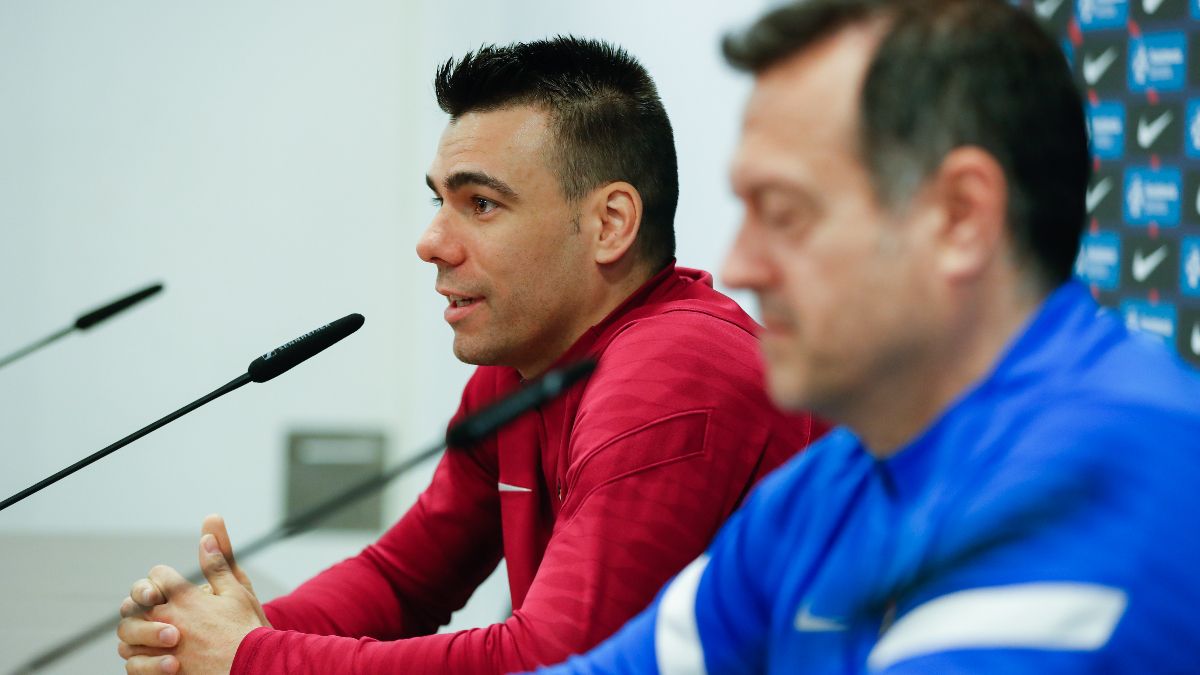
x,y
458,179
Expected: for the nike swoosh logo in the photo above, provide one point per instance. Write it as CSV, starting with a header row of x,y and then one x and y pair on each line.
x,y
806,622
1046,8
1151,6
1196,339
1094,69
1145,266
1148,133
505,487
1097,193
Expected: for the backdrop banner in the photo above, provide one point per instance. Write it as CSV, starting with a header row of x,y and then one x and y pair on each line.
x,y
1138,65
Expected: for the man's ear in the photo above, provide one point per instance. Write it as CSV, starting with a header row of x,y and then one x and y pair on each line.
x,y
617,207
972,194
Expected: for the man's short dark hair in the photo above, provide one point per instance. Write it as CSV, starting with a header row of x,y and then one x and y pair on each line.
x,y
608,121
952,73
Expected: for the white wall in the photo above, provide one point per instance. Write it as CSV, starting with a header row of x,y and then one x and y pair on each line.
x,y
265,160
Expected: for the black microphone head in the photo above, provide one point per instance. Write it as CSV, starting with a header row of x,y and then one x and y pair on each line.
x,y
115,307
556,381
278,361
485,422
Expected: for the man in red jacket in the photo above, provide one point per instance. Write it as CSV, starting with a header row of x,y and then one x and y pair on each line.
x,y
553,241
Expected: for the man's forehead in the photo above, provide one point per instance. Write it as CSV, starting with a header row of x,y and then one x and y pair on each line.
x,y
493,142
518,129
824,78
807,104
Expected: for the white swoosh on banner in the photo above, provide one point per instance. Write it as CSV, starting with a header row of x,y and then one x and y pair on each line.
x,y
1046,8
1094,69
1151,6
1097,193
1148,133
1144,266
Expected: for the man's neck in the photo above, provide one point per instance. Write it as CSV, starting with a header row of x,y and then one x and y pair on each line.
x,y
607,296
894,414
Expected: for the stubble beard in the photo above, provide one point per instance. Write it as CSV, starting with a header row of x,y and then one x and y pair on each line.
x,y
477,352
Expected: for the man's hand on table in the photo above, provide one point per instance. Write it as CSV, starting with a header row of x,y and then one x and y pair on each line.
x,y
170,625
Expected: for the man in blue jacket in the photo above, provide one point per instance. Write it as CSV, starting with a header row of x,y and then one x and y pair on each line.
x,y
1016,487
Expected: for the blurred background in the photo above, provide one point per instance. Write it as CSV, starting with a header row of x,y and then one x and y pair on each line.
x,y
265,161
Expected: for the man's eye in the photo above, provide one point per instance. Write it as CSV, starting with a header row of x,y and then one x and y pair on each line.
x,y
483,205
436,201
780,220
786,212
794,218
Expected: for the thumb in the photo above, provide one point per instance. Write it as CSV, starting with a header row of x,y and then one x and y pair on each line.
x,y
216,567
215,525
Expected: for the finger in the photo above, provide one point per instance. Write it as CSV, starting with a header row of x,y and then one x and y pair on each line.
x,y
168,581
127,652
146,593
214,524
216,567
152,665
131,608
139,632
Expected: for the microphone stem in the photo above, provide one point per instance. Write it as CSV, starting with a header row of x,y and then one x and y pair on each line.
x,y
241,380
25,351
301,522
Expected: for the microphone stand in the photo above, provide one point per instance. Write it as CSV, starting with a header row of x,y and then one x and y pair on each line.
x,y
105,452
264,368
25,351
85,321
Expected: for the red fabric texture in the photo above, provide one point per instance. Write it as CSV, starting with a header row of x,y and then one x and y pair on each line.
x,y
595,500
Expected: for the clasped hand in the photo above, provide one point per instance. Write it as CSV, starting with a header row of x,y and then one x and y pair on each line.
x,y
170,625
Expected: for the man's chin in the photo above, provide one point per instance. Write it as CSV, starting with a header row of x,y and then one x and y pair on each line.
x,y
786,399
470,352
787,392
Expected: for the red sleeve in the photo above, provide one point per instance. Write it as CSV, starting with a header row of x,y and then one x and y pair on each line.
x,y
664,446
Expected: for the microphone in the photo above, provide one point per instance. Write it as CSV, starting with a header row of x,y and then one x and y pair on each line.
x,y
485,422
95,316
268,366
278,361
471,430
85,321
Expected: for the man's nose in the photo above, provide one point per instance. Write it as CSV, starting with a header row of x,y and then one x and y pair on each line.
x,y
438,245
745,266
